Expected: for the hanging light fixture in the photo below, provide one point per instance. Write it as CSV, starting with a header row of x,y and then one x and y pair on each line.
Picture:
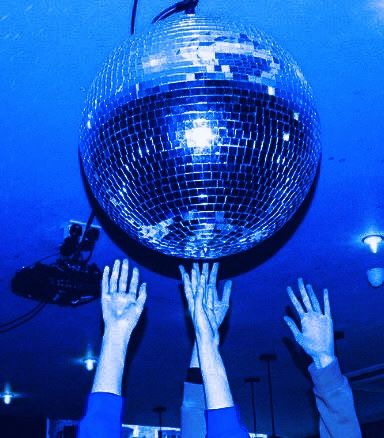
x,y
373,241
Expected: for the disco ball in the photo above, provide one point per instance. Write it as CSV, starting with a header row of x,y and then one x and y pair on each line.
x,y
200,138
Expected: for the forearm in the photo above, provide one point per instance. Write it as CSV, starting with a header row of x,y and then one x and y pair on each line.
x,y
110,369
195,363
334,400
193,407
217,392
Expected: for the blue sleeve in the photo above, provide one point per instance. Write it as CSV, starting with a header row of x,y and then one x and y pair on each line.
x,y
334,400
225,423
103,416
192,411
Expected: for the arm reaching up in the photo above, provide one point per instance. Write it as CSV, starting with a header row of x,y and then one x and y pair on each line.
x,y
333,394
193,407
121,312
222,417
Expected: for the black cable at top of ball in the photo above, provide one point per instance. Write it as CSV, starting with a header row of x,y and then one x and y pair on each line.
x,y
133,17
187,6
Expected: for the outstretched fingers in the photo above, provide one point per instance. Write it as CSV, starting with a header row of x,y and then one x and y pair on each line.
x,y
134,283
205,270
123,281
209,300
213,274
199,296
327,307
304,295
182,271
294,329
114,277
188,290
313,298
105,283
213,280
296,303
142,296
226,293
195,275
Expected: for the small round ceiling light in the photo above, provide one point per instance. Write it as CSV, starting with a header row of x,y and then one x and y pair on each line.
x,y
90,363
7,398
7,395
373,241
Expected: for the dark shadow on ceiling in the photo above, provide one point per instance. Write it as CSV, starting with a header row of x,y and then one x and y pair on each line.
x,y
231,266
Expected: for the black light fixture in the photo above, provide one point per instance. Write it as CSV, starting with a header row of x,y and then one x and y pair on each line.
x,y
71,243
71,279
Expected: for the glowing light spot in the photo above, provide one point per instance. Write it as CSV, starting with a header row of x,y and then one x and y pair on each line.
x,y
90,363
7,398
201,136
271,91
373,241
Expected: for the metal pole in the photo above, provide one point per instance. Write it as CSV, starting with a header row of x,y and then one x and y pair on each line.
x,y
160,410
252,381
268,358
271,398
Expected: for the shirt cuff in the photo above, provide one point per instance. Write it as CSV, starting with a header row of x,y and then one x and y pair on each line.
x,y
328,378
224,422
106,402
193,396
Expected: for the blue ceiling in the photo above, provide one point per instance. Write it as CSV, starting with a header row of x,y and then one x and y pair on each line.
x,y
50,52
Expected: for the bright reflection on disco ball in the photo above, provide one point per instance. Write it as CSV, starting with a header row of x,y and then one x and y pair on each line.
x,y
200,138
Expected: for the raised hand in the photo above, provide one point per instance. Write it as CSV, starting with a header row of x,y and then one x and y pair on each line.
x,y
122,308
316,335
201,288
207,313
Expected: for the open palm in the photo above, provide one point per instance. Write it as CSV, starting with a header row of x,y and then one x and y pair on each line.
x,y
122,309
316,334
212,311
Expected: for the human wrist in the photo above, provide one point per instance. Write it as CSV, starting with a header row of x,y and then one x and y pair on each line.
x,y
207,336
206,343
208,352
117,334
322,360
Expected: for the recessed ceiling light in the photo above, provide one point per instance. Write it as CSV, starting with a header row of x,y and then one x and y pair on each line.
x,y
7,395
373,241
7,398
90,363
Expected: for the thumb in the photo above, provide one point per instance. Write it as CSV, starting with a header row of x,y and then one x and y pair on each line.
x,y
295,331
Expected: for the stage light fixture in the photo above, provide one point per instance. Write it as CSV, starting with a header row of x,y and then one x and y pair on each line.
x,y
373,241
